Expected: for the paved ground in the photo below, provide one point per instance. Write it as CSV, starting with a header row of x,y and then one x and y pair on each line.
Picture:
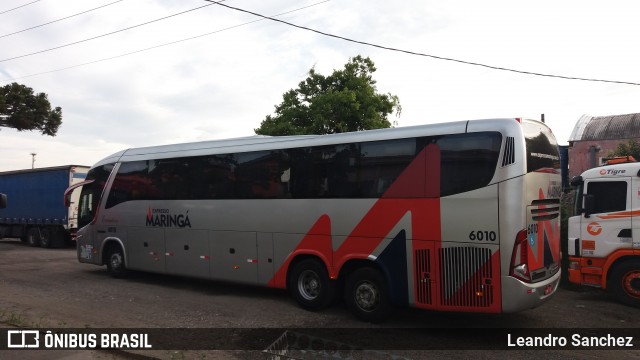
x,y
48,288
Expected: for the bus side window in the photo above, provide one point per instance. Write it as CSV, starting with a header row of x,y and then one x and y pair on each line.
x,y
301,173
468,161
131,183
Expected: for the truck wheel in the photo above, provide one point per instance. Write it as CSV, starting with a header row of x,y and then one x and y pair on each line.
x,y
33,237
310,285
625,282
367,295
45,238
115,262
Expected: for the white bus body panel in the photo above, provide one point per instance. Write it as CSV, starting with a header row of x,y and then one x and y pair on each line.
x,y
249,241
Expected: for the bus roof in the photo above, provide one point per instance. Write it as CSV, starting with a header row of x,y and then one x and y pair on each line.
x,y
261,143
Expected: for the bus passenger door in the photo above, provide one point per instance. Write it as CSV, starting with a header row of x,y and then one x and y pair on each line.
x,y
234,256
187,252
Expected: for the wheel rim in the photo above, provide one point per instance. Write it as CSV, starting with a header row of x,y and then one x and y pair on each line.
x,y
116,261
44,237
32,237
631,283
367,296
309,285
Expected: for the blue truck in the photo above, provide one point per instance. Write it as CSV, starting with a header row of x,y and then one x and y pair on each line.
x,y
34,209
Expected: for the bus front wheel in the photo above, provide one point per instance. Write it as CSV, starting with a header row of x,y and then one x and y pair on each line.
x,y
310,285
115,262
367,295
626,282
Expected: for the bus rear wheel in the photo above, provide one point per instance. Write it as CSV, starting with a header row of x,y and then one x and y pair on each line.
x,y
115,262
367,295
310,285
626,282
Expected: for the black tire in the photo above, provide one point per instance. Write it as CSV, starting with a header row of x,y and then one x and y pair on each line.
x,y
310,285
367,295
115,262
46,237
33,237
625,282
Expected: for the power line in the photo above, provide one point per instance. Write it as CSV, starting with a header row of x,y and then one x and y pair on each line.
x,y
161,45
426,55
54,21
110,33
18,7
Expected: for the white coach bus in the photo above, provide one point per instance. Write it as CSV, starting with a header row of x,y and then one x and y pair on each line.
x,y
460,216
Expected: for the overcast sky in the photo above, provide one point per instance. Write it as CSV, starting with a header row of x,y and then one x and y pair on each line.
x,y
222,84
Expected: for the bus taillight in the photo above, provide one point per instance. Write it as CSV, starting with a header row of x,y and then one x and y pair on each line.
x,y
520,258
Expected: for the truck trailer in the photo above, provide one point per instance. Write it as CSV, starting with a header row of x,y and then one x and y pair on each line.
x,y
34,210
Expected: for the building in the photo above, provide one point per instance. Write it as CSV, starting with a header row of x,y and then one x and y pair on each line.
x,y
594,137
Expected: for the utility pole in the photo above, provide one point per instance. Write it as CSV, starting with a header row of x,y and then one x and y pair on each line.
x,y
33,160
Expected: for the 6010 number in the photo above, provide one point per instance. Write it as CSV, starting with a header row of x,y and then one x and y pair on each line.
x,y
483,236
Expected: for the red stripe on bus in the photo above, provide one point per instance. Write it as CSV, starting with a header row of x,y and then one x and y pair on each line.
x,y
317,242
416,190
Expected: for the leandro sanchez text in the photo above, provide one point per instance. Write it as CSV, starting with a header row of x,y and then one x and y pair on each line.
x,y
576,340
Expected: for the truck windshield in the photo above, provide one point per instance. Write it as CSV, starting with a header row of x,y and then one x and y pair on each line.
x,y
90,194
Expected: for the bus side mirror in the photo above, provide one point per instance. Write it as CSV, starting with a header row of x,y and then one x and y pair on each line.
x,y
589,205
3,201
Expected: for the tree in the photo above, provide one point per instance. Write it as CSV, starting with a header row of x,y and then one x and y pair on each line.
x,y
21,109
346,100
630,147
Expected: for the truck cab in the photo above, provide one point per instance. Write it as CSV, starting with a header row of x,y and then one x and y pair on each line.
x,y
604,233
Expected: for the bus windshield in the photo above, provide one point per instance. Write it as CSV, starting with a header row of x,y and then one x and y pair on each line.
x,y
90,194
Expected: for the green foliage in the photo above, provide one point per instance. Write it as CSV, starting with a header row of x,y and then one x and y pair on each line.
x,y
21,109
346,100
630,147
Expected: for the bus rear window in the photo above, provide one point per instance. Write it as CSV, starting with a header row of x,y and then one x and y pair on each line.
x,y
542,148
